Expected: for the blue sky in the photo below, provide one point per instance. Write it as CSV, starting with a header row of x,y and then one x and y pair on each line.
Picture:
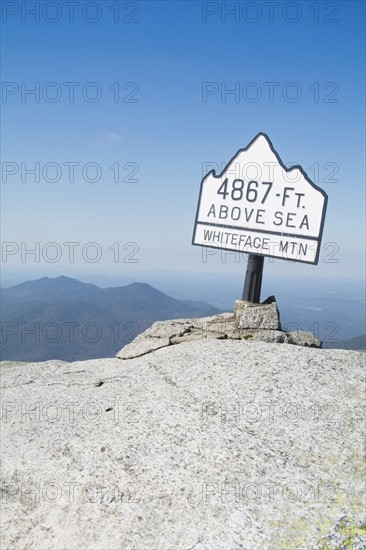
x,y
160,55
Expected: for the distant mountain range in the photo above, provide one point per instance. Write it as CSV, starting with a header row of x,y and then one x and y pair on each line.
x,y
63,318
355,343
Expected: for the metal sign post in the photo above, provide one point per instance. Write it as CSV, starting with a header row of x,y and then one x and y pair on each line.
x,y
253,279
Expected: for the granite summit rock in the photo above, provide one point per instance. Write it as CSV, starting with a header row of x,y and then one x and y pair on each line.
x,y
212,445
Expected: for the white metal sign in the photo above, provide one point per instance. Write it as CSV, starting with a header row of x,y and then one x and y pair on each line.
x,y
258,206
